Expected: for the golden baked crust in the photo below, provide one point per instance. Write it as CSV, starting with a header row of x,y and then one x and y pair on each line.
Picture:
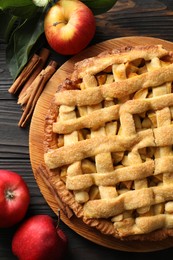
x,y
108,142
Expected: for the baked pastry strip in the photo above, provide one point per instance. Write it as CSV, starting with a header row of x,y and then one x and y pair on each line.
x,y
133,199
92,96
93,120
111,178
132,172
87,148
96,64
67,113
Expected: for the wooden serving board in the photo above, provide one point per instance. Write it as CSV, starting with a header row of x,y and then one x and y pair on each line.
x,y
36,146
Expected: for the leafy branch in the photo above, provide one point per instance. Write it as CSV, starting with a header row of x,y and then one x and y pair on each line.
x,y
24,28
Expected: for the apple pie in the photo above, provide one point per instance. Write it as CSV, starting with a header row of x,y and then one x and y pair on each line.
x,y
108,142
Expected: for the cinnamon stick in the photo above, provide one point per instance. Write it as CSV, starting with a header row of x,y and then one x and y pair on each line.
x,y
42,172
24,75
26,90
37,88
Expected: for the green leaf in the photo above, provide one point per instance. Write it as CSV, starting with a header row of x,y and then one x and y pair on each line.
x,y
9,27
9,24
21,43
7,4
8,21
20,8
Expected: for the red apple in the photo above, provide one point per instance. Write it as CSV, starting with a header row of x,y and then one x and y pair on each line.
x,y
69,26
38,238
14,198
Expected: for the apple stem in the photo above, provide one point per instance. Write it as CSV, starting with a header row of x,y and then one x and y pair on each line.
x,y
56,23
58,220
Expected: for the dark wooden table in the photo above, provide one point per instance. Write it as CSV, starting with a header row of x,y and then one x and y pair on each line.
x,y
128,18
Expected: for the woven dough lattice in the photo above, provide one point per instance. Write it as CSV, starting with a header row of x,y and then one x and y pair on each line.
x,y
108,141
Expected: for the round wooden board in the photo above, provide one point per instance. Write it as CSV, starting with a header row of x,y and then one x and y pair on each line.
x,y
36,146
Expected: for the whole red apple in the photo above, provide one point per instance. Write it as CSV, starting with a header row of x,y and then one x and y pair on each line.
x,y
38,238
69,26
14,198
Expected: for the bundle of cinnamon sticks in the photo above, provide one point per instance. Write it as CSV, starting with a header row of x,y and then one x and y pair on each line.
x,y
31,82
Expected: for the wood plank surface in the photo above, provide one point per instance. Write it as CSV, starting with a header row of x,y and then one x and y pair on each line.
x,y
152,18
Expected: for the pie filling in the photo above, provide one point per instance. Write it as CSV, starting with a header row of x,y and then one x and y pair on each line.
x,y
108,142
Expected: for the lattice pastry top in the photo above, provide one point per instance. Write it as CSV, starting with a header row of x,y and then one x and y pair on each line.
x,y
108,142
